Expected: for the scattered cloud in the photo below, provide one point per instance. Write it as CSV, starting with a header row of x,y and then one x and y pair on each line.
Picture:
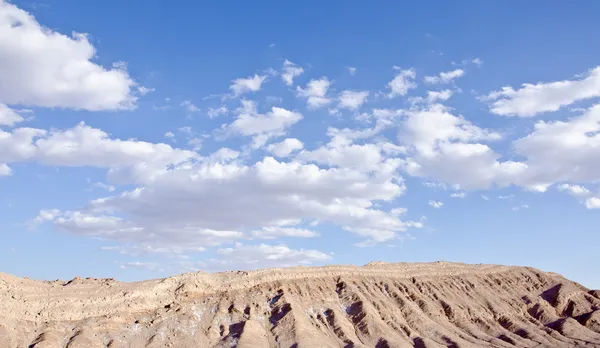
x,y
352,100
246,85
575,190
286,147
533,99
352,70
189,106
221,110
290,71
592,203
262,127
144,90
8,116
272,232
436,204
263,255
444,77
458,195
520,207
315,93
402,82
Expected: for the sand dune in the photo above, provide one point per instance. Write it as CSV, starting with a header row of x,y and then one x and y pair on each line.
x,y
378,305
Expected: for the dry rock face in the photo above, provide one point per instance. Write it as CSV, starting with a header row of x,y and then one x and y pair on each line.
x,y
379,305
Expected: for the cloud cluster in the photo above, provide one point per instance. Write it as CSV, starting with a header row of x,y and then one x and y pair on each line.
x,y
533,99
41,67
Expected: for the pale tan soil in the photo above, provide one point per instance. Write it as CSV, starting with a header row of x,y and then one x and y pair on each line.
x,y
379,305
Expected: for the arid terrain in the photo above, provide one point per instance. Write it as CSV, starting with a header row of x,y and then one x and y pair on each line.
x,y
378,305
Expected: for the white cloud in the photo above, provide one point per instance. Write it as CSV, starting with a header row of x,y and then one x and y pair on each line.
x,y
286,147
245,85
290,71
352,70
83,145
592,203
451,151
262,127
458,195
221,110
264,255
8,116
418,132
189,106
341,152
436,204
506,197
433,97
148,266
402,83
533,99
352,100
5,170
216,200
169,135
435,185
109,188
477,61
272,232
41,67
562,151
144,90
520,207
444,77
574,190
315,93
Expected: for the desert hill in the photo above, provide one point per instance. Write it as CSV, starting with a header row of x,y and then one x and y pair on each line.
x,y
378,305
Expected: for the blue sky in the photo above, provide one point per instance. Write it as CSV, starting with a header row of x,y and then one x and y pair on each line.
x,y
140,140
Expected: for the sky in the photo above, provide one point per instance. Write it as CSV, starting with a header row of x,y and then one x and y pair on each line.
x,y
142,139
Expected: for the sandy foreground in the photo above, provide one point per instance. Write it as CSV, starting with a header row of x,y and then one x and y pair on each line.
x,y
378,305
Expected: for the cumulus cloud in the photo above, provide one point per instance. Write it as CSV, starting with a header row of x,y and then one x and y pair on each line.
x,y
290,71
8,116
272,232
189,106
402,82
216,200
436,204
563,151
83,145
352,100
315,93
444,77
574,190
533,99
458,195
221,110
263,255
453,151
5,170
592,203
41,67
262,127
434,97
248,84
286,147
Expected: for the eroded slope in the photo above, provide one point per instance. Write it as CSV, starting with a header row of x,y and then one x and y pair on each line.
x,y
378,305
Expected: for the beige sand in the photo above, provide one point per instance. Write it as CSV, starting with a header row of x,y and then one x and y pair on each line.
x,y
379,305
